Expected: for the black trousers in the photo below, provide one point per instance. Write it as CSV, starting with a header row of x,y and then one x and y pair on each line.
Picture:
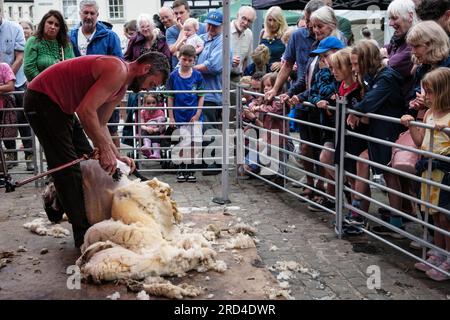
x,y
63,140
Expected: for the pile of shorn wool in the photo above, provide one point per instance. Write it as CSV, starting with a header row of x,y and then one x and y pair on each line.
x,y
139,238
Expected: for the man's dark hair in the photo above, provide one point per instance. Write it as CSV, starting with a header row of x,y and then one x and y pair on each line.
x,y
178,3
61,37
313,5
188,51
432,9
158,62
257,76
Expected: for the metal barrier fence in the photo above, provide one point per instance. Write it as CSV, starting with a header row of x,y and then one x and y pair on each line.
x,y
340,176
276,155
218,151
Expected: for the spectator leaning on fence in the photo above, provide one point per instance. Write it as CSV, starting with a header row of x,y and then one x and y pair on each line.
x,y
436,53
297,50
436,86
402,17
382,96
350,89
324,24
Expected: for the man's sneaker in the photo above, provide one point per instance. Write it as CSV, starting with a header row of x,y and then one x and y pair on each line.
x,y
191,177
418,246
384,231
437,275
322,202
181,177
432,259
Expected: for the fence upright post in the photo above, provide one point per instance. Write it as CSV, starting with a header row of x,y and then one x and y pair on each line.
x,y
428,193
225,104
341,107
239,151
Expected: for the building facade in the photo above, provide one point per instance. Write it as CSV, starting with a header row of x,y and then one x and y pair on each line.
x,y
116,12
17,10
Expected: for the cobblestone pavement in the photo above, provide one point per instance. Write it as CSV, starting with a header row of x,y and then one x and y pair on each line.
x,y
282,221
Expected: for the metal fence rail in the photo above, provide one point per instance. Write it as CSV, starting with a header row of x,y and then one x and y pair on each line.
x,y
340,112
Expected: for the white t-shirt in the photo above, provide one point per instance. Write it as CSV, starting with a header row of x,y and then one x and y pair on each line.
x,y
84,41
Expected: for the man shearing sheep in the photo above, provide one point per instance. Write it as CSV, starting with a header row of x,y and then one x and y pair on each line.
x,y
90,86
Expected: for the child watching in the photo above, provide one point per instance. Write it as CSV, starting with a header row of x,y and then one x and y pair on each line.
x,y
436,85
7,81
189,121
155,126
269,122
260,58
349,88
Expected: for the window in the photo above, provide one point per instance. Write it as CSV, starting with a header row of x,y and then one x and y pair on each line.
x,y
116,9
31,12
70,9
10,12
20,12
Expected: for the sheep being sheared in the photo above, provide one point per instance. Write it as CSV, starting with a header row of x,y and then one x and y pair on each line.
x,y
142,239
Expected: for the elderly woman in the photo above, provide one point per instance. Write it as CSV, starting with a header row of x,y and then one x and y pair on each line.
x,y
430,49
146,39
402,17
324,24
50,45
274,27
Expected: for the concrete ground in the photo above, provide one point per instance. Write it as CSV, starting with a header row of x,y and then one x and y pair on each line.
x,y
335,269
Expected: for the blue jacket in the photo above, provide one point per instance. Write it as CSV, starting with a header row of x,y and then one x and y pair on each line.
x,y
105,41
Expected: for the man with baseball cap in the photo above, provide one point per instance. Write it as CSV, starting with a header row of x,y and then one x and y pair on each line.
x,y
210,64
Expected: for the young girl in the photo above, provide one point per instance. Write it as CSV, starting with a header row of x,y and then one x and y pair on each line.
x,y
383,96
350,89
436,85
269,122
155,126
7,80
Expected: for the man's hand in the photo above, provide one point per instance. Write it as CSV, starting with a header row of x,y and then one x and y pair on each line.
x,y
107,159
128,161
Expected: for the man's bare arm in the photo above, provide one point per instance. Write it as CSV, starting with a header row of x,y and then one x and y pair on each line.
x,y
283,75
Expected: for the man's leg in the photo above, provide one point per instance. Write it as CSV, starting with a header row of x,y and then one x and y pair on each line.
x,y
62,139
